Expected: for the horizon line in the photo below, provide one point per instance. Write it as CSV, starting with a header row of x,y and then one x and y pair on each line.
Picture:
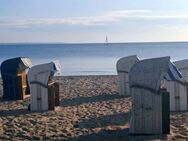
x,y
93,42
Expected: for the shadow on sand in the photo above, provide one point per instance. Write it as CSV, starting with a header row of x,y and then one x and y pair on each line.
x,y
14,112
82,100
116,135
19,112
118,131
103,121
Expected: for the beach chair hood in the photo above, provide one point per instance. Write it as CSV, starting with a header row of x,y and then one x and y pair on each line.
x,y
15,65
124,64
41,73
149,73
182,66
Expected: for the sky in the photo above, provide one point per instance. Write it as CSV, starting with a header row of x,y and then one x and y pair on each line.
x,y
90,21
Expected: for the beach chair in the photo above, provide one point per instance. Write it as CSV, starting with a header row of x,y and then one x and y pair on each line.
x,y
150,99
178,91
44,91
123,67
14,76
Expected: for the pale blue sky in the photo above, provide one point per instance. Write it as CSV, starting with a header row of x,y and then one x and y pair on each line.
x,y
73,21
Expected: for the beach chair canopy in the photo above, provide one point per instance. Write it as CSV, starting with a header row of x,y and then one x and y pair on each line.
x,y
181,64
124,64
149,73
15,65
41,73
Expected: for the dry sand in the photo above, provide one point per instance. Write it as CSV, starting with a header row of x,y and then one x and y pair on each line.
x,y
90,110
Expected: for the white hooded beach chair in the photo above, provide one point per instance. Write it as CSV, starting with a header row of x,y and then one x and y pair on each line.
x,y
123,67
150,100
178,91
44,92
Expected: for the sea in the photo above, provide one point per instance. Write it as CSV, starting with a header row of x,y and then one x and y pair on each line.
x,y
91,58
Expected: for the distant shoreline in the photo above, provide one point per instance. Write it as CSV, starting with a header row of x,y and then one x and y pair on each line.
x,y
82,43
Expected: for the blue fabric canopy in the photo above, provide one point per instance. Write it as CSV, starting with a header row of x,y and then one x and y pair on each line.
x,y
174,74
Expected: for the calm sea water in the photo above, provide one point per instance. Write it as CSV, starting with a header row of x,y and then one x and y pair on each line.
x,y
92,59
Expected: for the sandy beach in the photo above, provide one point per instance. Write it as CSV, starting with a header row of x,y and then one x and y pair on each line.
x,y
90,109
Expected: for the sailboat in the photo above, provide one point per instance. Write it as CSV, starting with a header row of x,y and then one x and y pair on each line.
x,y
106,41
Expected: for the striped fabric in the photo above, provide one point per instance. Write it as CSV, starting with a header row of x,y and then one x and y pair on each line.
x,y
26,62
174,74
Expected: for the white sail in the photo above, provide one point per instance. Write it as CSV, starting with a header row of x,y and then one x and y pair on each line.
x,y
106,40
